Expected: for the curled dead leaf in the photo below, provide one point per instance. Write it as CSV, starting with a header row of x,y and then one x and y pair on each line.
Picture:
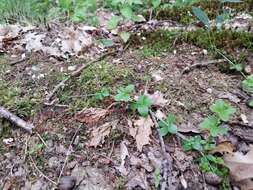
x,y
91,116
223,147
241,168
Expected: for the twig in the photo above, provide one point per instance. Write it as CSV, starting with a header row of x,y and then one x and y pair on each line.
x,y
18,61
41,173
42,140
67,154
202,64
75,74
167,160
4,113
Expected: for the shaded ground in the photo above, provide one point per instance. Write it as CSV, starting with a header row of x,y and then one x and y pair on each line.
x,y
24,86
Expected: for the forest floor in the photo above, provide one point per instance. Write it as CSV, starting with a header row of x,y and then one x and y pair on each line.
x,y
80,142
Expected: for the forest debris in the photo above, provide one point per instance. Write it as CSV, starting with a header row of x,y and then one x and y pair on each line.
x,y
212,179
4,113
157,99
142,131
241,167
91,115
138,179
99,133
67,183
223,147
123,155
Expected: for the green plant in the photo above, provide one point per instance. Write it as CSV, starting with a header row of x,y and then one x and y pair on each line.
x,y
142,105
102,94
198,144
124,93
157,177
247,84
212,124
223,110
167,125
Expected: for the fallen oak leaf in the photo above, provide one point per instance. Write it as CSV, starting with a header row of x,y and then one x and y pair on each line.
x,y
143,132
240,166
99,133
91,116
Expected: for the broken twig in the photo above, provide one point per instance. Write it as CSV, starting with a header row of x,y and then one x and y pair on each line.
x,y
202,64
74,74
4,113
167,159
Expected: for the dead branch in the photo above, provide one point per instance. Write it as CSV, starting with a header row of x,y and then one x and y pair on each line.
x,y
4,113
202,64
74,74
167,159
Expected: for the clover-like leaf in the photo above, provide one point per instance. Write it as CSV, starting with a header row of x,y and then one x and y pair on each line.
x,y
142,105
247,84
127,12
102,94
212,125
113,23
167,125
223,110
124,93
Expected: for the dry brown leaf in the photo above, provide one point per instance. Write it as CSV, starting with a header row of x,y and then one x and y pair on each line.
x,y
188,128
157,99
99,133
91,116
241,167
144,131
223,147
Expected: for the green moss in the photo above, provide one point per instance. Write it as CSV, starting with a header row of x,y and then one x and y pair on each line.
x,y
154,46
80,93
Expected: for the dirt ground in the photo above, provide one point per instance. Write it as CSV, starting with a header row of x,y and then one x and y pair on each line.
x,y
60,150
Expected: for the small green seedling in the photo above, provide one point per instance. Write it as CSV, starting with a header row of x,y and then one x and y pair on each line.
x,y
167,125
198,144
250,103
247,84
157,177
212,125
236,67
142,105
102,94
124,93
223,110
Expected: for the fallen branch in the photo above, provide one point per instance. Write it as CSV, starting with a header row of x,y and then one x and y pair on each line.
x,y
4,113
74,74
167,159
202,64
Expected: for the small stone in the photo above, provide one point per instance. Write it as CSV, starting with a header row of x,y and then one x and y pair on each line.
x,y
72,68
209,90
212,178
205,52
67,183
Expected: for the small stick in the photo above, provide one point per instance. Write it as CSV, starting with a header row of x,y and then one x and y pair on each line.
x,y
74,74
67,154
41,173
18,61
167,165
202,64
4,113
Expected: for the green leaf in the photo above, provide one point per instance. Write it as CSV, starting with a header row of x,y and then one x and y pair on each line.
x,y
250,103
113,23
127,12
247,84
125,36
138,18
102,94
237,67
107,42
212,124
201,15
167,125
124,93
156,3
223,110
157,177
142,105
65,4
